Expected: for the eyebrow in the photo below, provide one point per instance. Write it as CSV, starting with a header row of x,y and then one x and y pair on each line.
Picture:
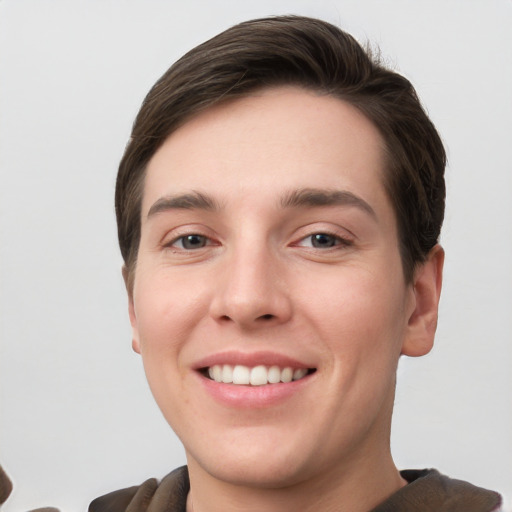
x,y
305,197
191,201
313,197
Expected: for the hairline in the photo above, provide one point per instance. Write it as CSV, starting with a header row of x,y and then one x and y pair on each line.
x,y
408,265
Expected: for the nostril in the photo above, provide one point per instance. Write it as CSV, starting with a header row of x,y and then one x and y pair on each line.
x,y
267,317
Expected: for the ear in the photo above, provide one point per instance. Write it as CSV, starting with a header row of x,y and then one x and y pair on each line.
x,y
422,324
131,311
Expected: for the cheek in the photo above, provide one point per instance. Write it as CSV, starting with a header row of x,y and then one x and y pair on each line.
x,y
360,317
165,317
167,310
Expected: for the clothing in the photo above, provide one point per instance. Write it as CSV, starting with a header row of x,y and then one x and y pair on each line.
x,y
5,485
6,489
427,491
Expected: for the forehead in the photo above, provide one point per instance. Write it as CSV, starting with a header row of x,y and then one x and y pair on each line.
x,y
273,140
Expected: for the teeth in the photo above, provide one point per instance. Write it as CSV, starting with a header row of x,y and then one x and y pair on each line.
x,y
241,374
299,373
286,375
217,373
256,376
226,373
274,374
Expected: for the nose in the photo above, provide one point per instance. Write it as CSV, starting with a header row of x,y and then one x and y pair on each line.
x,y
251,290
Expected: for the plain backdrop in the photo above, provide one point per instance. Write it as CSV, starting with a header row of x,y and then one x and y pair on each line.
x,y
77,419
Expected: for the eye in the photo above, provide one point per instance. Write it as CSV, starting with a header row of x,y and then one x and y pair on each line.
x,y
190,242
323,241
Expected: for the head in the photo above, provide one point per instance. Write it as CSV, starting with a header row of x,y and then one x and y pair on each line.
x,y
279,205
314,55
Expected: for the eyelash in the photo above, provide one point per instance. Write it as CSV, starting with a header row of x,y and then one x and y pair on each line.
x,y
182,238
337,241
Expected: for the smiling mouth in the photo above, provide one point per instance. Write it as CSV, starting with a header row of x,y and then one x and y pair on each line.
x,y
254,376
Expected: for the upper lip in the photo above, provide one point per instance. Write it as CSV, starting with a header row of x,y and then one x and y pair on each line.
x,y
266,358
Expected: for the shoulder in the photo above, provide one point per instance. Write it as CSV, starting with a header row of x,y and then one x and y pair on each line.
x,y
169,495
429,490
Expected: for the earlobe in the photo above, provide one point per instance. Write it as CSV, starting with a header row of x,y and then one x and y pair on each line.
x,y
131,312
422,322
135,346
133,322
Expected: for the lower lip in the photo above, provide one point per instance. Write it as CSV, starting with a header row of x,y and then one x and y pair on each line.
x,y
253,397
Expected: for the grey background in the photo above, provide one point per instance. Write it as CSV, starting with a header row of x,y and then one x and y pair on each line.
x,y
77,419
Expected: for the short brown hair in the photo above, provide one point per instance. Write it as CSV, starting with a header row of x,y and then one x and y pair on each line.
x,y
309,53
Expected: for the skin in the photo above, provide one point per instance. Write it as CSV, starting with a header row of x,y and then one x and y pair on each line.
x,y
256,280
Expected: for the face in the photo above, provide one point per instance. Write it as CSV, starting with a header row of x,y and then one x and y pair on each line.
x,y
269,252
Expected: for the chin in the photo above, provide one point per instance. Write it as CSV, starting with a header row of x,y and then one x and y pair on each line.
x,y
260,473
262,461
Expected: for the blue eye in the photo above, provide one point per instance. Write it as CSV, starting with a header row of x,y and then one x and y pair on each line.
x,y
191,242
324,240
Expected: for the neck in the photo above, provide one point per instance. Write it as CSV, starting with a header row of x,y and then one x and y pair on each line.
x,y
354,488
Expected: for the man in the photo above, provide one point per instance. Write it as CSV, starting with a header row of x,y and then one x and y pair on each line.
x,y
279,207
